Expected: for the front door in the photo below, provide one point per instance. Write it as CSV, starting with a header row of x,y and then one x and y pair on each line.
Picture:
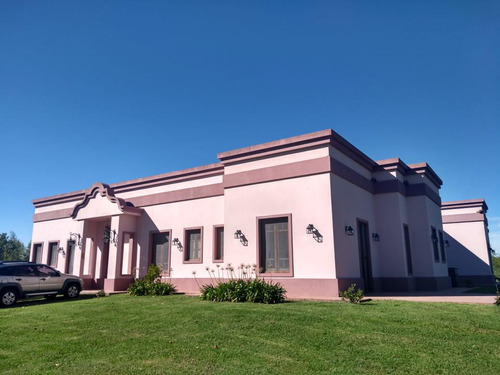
x,y
364,254
70,257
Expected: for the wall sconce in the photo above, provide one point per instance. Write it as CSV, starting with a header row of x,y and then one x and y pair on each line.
x,y
375,237
177,243
316,235
446,243
239,235
110,236
77,238
349,231
434,238
61,251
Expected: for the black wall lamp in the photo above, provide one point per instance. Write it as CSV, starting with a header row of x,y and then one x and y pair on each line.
x,y
375,237
177,243
77,238
310,229
446,243
349,231
61,251
110,236
239,235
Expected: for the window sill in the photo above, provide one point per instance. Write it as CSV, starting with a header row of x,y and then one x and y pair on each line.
x,y
194,261
275,274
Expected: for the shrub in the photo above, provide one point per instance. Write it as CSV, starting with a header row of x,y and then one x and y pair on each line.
x,y
151,285
153,274
244,290
353,294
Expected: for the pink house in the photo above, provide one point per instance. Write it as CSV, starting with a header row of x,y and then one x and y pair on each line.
x,y
312,212
469,252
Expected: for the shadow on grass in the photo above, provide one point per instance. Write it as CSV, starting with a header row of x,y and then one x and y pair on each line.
x,y
44,301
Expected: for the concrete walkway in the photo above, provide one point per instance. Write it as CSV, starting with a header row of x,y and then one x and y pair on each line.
x,y
454,295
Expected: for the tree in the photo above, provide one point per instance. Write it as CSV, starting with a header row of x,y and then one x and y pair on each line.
x,y
11,248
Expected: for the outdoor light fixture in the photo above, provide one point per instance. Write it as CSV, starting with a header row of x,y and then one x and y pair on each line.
x,y
61,251
239,235
177,243
446,243
375,237
310,229
77,238
434,238
349,231
110,236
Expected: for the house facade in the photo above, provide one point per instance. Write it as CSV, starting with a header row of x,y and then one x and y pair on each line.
x,y
469,250
311,212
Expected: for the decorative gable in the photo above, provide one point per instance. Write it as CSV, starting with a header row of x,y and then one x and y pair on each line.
x,y
100,201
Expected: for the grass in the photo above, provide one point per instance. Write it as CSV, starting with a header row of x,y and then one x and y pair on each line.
x,y
183,335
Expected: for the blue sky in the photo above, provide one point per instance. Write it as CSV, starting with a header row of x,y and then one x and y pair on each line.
x,y
115,90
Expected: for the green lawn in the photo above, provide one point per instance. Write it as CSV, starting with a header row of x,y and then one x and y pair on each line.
x,y
183,335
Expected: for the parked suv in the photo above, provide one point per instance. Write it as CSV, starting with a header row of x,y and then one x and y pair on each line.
x,y
29,279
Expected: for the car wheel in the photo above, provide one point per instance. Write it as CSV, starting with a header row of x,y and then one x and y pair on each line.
x,y
8,297
72,291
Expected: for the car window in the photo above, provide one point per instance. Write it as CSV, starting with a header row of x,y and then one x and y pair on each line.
x,y
25,270
6,271
46,271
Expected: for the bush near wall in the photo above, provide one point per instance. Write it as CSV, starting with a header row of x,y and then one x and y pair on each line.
x,y
244,290
151,284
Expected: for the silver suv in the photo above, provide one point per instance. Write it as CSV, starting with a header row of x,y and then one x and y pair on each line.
x,y
28,279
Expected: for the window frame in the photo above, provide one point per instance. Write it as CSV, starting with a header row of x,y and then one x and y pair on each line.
x,y
290,271
216,245
186,249
50,250
33,257
151,257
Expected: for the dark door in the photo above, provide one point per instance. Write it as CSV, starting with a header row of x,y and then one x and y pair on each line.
x,y
104,261
70,257
364,254
161,250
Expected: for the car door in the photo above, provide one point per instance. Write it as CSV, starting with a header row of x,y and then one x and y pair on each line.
x,y
50,279
27,277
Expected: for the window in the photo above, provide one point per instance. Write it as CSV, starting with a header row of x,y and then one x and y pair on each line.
x,y
7,271
275,253
53,252
37,253
45,271
409,264
218,244
193,245
28,270
161,252
441,246
434,239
